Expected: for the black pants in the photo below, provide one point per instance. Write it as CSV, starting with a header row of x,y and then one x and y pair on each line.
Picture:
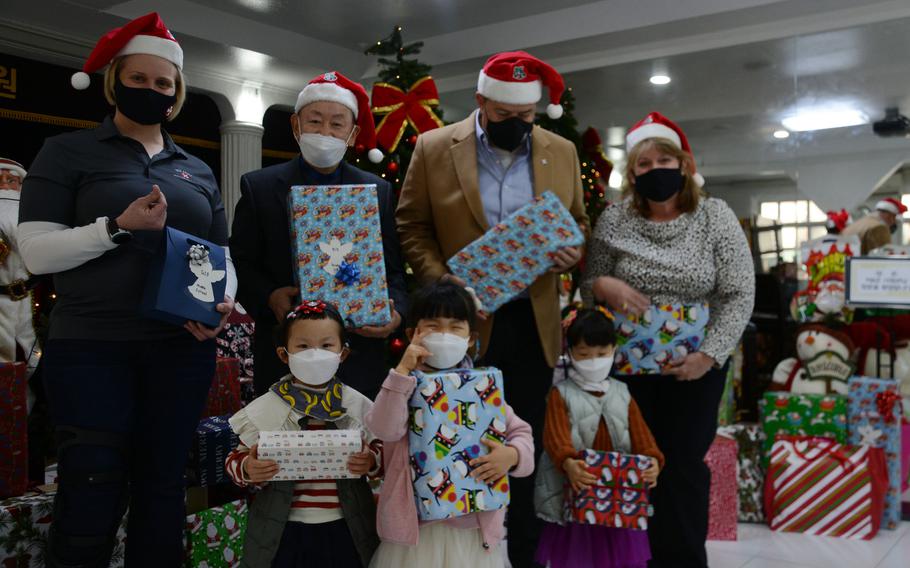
x,y
682,416
515,349
327,545
125,414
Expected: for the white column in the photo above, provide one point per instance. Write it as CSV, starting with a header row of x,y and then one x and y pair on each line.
x,y
241,152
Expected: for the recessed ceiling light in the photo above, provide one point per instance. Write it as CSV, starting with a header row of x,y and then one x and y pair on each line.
x,y
824,118
781,134
660,79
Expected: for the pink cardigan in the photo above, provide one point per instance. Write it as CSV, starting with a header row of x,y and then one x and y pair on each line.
x,y
396,517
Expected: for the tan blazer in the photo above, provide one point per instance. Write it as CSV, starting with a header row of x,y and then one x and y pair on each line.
x,y
440,211
871,230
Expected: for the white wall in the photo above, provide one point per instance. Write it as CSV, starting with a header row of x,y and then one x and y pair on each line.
x,y
745,197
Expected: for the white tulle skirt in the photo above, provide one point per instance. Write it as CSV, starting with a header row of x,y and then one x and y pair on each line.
x,y
440,546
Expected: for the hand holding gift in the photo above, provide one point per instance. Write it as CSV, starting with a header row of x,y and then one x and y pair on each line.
x,y
203,332
381,331
579,476
495,465
620,296
565,258
362,462
257,470
650,474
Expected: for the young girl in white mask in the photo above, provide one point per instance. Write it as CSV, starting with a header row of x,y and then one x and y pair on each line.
x,y
571,406
441,326
307,523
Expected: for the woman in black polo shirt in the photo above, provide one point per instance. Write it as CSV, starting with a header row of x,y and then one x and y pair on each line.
x,y
125,392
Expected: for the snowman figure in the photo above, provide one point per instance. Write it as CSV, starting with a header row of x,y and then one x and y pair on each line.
x,y
816,345
206,275
336,251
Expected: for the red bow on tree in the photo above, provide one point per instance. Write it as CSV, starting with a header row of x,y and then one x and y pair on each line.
x,y
403,108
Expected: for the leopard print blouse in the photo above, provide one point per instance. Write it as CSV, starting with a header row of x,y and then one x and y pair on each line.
x,y
700,256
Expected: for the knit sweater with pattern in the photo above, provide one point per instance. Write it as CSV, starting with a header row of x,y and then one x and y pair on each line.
x,y
699,257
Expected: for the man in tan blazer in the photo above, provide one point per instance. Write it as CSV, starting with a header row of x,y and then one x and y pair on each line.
x,y
465,178
875,229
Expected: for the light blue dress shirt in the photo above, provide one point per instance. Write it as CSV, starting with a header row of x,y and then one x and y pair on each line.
x,y
504,187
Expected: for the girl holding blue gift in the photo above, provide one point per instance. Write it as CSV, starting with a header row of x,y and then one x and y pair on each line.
x,y
441,325
587,410
316,522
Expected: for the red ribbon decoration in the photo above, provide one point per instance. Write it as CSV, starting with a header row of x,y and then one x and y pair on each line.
x,y
839,219
885,402
403,108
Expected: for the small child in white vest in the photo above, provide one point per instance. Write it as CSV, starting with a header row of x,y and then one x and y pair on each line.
x,y
587,410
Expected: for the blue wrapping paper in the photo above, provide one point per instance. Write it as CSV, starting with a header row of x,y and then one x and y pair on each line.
x,y
663,333
509,257
450,413
212,443
867,426
336,239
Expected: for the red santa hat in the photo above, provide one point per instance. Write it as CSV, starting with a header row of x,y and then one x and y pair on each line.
x,y
146,34
891,205
12,166
517,78
335,87
656,125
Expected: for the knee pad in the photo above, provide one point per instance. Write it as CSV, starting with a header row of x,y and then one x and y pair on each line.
x,y
91,464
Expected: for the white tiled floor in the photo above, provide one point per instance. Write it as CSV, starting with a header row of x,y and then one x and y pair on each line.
x,y
759,547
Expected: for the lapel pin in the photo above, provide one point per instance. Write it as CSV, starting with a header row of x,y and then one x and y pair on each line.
x,y
543,161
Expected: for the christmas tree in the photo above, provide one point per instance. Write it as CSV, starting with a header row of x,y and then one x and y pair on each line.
x,y
595,167
405,103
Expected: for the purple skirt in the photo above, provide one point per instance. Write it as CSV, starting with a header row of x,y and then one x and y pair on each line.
x,y
576,545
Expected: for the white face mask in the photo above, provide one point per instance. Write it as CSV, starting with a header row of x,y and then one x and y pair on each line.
x,y
314,366
448,350
591,373
322,151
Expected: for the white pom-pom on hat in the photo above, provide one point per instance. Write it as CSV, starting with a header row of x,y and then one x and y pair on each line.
x,y
554,111
375,155
699,179
80,81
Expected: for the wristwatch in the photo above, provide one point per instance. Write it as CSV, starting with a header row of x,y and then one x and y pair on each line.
x,y
118,236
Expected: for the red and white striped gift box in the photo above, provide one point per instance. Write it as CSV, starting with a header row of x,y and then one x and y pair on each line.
x,y
821,487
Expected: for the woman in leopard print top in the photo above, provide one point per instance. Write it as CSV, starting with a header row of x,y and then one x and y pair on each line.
x,y
666,242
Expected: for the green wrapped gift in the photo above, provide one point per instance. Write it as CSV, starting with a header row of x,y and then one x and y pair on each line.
x,y
215,536
802,415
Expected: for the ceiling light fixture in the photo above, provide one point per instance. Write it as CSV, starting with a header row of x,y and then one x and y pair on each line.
x,y
824,118
781,134
659,79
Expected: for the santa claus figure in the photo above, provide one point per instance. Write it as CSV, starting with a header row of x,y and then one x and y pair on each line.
x,y
16,284
823,363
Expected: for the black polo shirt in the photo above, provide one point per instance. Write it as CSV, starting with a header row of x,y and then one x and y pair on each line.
x,y
80,176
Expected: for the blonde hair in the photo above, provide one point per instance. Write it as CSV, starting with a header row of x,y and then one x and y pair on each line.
x,y
113,71
690,194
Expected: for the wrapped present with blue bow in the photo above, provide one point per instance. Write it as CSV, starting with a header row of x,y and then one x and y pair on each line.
x,y
874,419
662,333
450,413
336,238
509,257
186,280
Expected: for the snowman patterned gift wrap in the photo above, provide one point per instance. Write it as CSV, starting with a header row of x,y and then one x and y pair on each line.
x,y
661,334
450,413
619,497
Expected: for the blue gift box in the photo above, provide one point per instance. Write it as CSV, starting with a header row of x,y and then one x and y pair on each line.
x,y
665,332
337,245
509,257
186,280
213,441
450,413
874,421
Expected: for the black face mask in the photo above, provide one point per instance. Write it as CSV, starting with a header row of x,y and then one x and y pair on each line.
x,y
508,134
660,184
893,229
145,106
